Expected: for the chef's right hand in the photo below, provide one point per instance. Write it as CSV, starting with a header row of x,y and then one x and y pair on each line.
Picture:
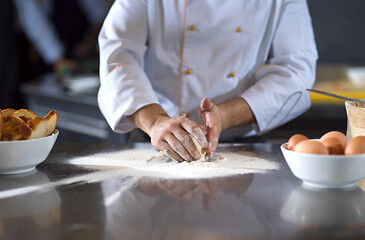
x,y
172,137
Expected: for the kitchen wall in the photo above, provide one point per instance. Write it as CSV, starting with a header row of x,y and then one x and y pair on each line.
x,y
339,30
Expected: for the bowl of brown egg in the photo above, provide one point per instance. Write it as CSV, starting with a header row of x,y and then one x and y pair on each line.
x,y
332,161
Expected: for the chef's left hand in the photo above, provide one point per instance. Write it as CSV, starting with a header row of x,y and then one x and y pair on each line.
x,y
211,117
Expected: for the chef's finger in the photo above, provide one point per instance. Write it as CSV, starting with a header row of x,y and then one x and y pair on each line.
x,y
178,147
168,151
188,144
213,142
189,125
195,130
206,104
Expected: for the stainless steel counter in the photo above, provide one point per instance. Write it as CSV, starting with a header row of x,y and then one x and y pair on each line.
x,y
63,201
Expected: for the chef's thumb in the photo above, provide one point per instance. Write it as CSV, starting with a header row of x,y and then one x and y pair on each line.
x,y
206,104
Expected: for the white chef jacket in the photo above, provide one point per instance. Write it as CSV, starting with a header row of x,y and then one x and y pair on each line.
x,y
175,53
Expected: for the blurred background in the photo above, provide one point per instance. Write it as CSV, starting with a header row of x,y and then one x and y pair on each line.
x,y
49,60
340,42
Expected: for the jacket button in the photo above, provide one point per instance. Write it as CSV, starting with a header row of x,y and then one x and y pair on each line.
x,y
186,115
232,74
189,71
238,29
191,28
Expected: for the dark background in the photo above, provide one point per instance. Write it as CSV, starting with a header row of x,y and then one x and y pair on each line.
x,y
339,30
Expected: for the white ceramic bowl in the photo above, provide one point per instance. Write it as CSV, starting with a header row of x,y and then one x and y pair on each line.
x,y
23,156
325,171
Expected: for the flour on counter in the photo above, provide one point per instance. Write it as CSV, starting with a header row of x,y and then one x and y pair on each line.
x,y
152,163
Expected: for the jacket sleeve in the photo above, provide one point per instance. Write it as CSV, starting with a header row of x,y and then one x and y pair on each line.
x,y
279,92
125,88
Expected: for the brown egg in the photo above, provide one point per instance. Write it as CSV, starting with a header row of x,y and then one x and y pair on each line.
x,y
311,146
336,134
295,139
355,146
334,146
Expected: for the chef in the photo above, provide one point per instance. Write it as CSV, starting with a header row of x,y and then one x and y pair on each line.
x,y
206,69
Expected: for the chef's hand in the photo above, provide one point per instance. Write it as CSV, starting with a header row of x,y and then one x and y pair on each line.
x,y
210,115
63,66
170,135
233,113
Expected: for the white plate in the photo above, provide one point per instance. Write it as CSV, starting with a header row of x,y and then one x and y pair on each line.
x,y
325,171
24,156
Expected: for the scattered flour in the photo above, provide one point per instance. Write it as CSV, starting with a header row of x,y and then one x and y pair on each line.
x,y
152,163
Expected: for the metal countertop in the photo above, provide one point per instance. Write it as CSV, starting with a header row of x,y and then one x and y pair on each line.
x,y
59,200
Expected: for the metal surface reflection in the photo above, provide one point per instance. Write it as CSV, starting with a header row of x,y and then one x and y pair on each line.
x,y
152,208
36,211
68,201
325,209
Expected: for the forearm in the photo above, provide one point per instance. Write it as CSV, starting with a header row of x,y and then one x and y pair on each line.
x,y
236,113
147,116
